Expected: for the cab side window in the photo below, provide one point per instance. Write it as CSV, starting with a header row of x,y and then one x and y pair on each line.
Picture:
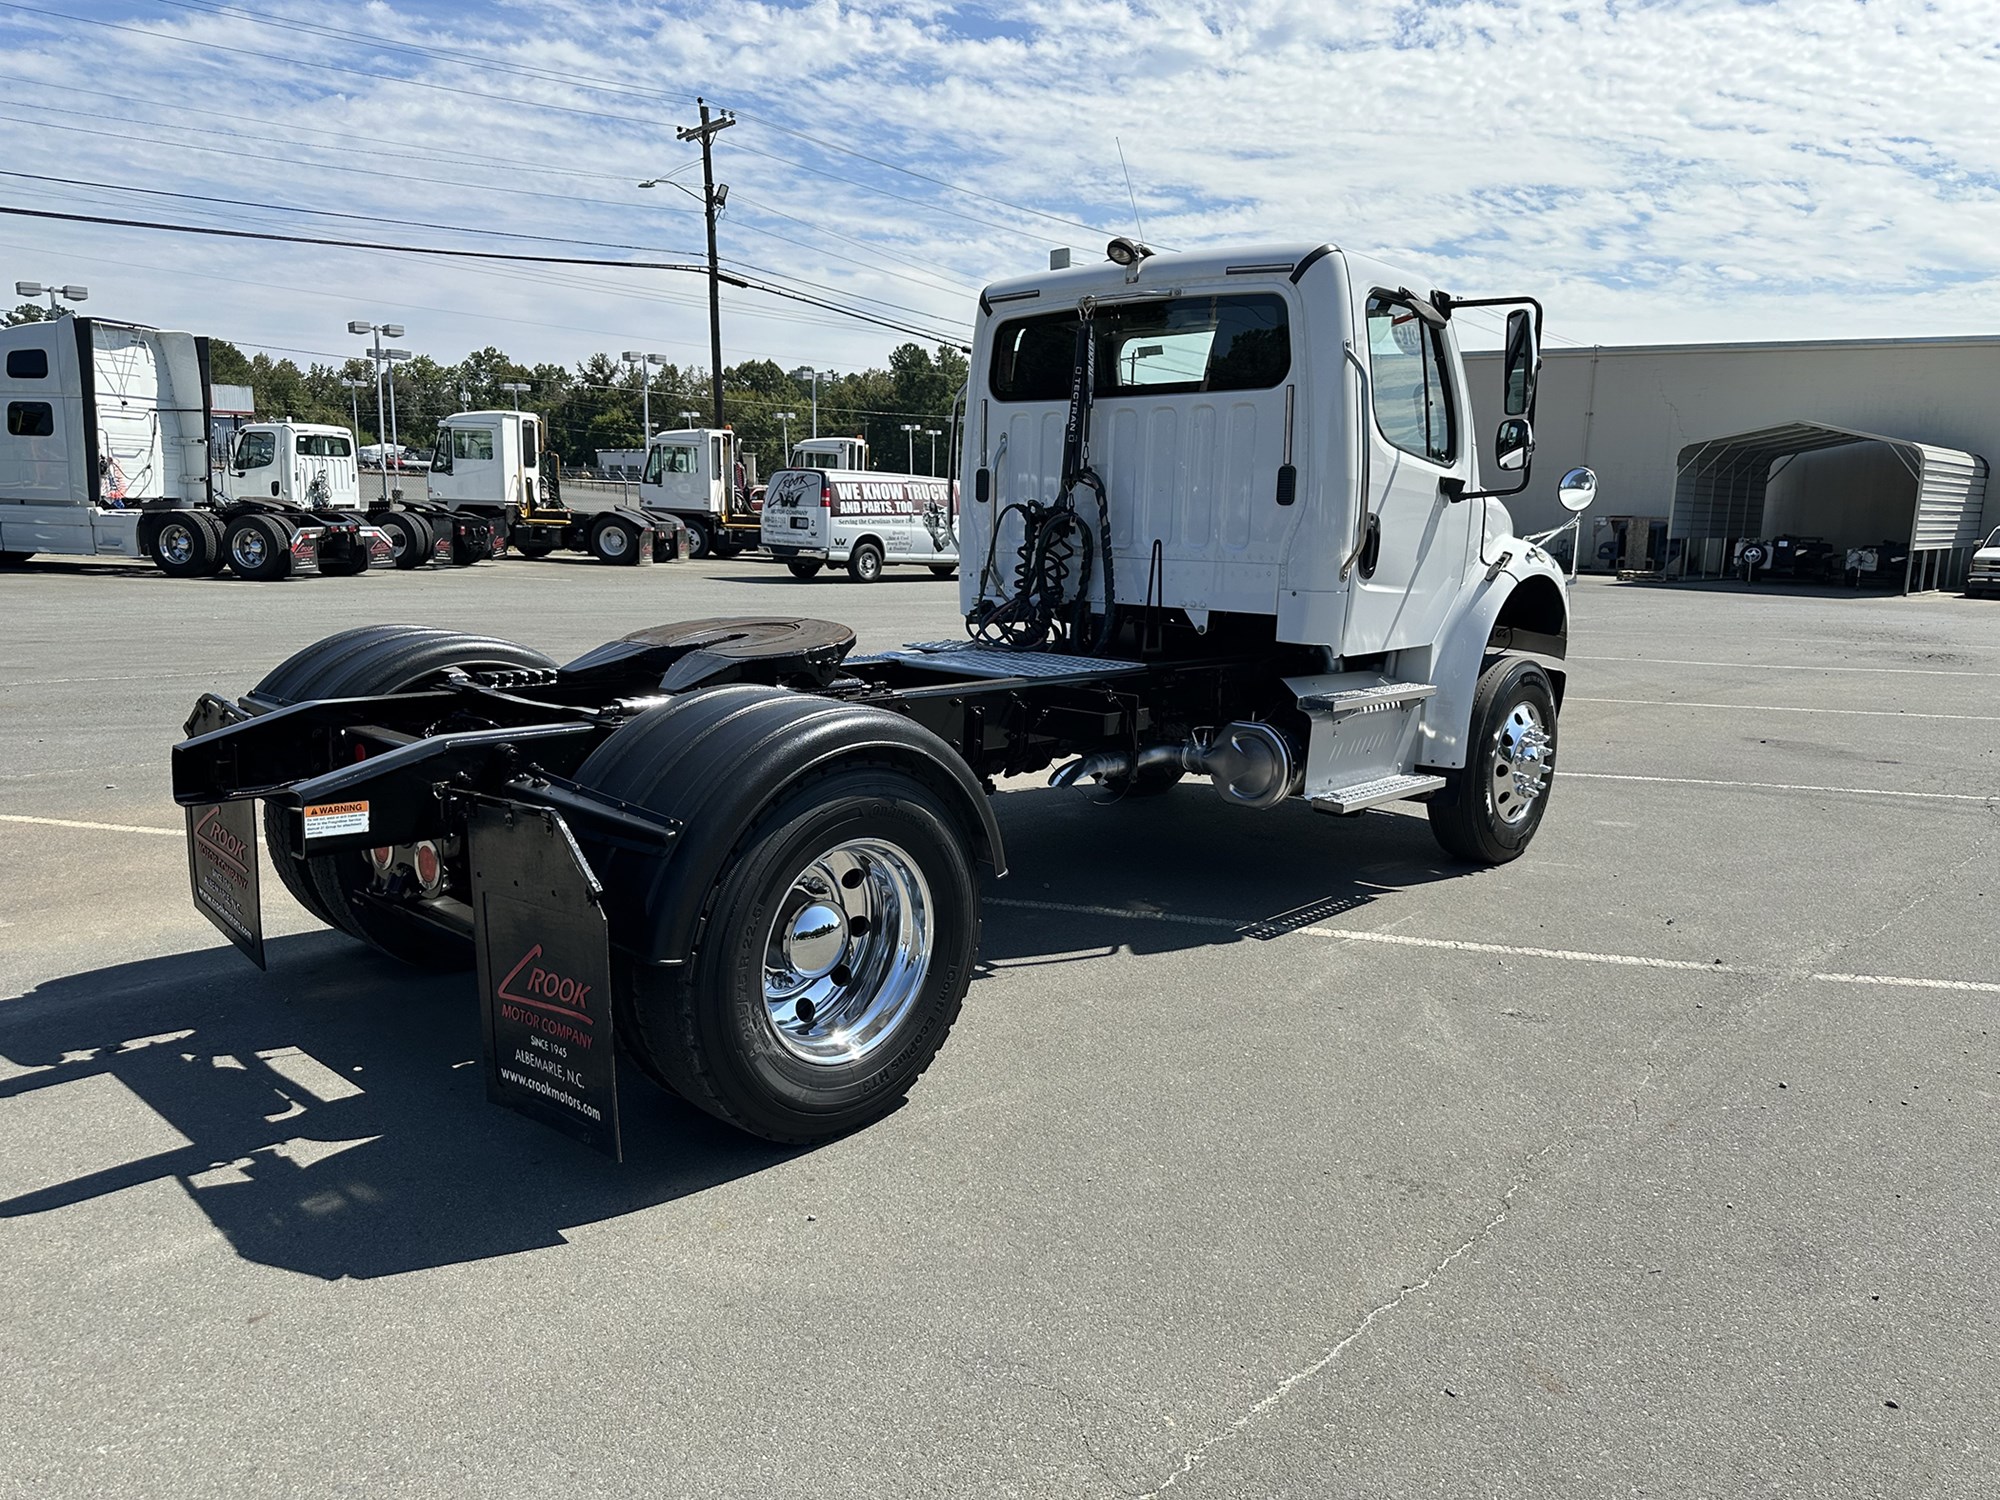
x,y
27,364
256,449
31,419
1406,372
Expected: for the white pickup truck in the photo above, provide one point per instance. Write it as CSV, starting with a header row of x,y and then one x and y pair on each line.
x,y
1982,577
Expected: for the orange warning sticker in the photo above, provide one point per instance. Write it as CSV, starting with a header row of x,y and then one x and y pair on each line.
x,y
331,818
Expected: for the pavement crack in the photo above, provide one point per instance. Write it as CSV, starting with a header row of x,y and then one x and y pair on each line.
x,y
1193,1457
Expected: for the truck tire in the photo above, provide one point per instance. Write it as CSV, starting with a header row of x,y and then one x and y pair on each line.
x,y
864,563
469,544
351,563
259,547
1488,810
182,547
612,541
839,944
357,663
944,570
773,787
218,560
409,533
699,542
805,567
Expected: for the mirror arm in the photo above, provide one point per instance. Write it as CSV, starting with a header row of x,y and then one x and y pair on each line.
x,y
1465,494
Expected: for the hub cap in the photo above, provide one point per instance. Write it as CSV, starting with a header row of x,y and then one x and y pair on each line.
x,y
176,543
1523,757
614,540
250,547
847,953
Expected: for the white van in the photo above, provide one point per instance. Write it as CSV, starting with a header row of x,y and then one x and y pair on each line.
x,y
816,516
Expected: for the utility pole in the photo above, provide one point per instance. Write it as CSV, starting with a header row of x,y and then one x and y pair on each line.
x,y
711,203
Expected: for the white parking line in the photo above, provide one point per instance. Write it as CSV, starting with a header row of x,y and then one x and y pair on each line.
x,y
1779,708
1508,950
1768,666
1784,786
172,833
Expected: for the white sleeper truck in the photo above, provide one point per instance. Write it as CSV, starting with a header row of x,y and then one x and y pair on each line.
x,y
106,453
496,464
1225,519
691,474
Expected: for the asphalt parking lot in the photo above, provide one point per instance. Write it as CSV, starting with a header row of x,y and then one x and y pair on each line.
x,y
1272,1156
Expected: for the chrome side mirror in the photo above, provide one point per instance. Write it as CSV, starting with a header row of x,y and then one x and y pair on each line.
x,y
1512,444
1577,489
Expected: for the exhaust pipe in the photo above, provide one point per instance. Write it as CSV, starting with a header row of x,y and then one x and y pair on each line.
x,y
1250,763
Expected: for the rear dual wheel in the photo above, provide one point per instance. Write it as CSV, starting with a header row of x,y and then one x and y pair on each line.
x,y
187,544
372,660
259,546
410,536
613,541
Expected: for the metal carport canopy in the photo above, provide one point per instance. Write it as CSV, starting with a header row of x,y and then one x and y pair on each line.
x,y
1719,484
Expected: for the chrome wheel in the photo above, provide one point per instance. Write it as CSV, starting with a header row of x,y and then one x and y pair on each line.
x,y
177,544
249,548
1523,757
847,952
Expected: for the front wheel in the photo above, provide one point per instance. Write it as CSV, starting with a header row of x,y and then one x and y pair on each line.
x,y
1488,810
699,542
840,943
864,563
805,567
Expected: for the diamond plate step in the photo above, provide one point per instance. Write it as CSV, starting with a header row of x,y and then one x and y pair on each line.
x,y
1374,793
1363,700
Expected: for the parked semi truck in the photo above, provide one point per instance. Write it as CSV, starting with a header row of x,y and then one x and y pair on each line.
x,y
1224,520
106,453
496,465
700,476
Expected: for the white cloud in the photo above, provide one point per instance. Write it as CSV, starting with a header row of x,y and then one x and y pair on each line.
x,y
1707,169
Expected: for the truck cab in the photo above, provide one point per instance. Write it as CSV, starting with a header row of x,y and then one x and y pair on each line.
x,y
830,453
488,459
691,474
302,465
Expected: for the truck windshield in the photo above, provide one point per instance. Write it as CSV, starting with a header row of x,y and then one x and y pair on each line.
x,y
1235,343
668,458
256,449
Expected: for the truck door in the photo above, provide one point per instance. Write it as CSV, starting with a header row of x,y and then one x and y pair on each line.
x,y
524,485
1409,542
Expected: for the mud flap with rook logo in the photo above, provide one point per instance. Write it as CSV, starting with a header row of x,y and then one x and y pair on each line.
x,y
222,869
544,973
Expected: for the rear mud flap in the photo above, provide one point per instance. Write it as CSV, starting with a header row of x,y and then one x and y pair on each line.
x,y
544,973
222,869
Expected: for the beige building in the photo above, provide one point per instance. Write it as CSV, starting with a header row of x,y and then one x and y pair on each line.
x,y
1655,421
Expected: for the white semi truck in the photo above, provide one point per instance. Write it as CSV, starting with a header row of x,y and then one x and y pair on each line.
x,y
106,453
497,465
691,474
1224,518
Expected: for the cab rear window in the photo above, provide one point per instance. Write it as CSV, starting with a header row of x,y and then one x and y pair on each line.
x,y
1176,345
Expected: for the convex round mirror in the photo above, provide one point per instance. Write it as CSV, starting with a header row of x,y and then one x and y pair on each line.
x,y
1512,444
1577,489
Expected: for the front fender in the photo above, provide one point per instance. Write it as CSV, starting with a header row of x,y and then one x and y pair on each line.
x,y
1522,610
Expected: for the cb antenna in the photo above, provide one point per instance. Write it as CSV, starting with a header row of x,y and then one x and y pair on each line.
x,y
1131,196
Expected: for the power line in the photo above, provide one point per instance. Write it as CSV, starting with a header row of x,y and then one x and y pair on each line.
x,y
480,255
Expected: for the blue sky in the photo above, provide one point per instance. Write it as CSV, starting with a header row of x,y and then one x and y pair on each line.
x,y
1655,171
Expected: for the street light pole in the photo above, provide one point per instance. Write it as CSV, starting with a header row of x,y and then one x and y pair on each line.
x,y
785,420
394,331
932,433
688,416
711,203
514,389
912,428
37,289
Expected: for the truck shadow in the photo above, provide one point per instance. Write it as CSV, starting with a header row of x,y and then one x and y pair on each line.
x,y
1187,870
330,1116
335,1113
